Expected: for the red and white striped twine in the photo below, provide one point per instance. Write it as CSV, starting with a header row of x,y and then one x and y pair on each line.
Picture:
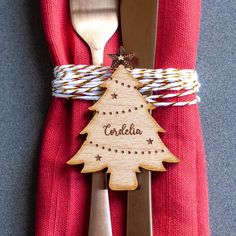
x,y
82,82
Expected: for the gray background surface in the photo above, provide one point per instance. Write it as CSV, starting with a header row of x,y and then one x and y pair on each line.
x,y
25,95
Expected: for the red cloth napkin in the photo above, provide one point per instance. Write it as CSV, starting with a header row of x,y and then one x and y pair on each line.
x,y
179,196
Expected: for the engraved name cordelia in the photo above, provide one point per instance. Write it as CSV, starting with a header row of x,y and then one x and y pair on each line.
x,y
124,130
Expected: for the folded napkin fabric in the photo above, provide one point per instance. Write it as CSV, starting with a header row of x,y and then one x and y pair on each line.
x,y
179,196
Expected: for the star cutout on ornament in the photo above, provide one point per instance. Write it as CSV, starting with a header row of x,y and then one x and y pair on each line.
x,y
122,58
98,157
149,141
114,95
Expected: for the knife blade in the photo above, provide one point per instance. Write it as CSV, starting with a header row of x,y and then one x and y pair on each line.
x,y
138,30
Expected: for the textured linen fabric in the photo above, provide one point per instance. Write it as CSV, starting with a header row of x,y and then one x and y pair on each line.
x,y
179,196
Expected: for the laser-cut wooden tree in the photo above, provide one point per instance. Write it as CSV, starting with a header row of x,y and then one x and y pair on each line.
x,y
122,136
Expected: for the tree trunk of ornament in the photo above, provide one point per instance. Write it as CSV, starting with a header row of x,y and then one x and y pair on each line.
x,y
122,179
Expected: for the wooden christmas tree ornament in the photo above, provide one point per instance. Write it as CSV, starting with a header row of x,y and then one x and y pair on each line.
x,y
122,136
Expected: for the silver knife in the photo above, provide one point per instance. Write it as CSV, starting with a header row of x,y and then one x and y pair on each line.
x,y
138,30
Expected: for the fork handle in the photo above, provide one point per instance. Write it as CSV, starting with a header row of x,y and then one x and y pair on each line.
x,y
99,222
100,219
97,55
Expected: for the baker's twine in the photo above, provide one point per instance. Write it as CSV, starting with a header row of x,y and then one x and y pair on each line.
x,y
82,82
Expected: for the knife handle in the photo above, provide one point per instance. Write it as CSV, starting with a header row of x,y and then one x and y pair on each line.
x,y
139,207
100,220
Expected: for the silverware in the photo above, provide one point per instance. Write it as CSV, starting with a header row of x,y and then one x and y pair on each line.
x,y
95,22
139,28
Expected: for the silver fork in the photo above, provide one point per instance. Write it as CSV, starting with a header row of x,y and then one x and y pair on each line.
x,y
95,22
